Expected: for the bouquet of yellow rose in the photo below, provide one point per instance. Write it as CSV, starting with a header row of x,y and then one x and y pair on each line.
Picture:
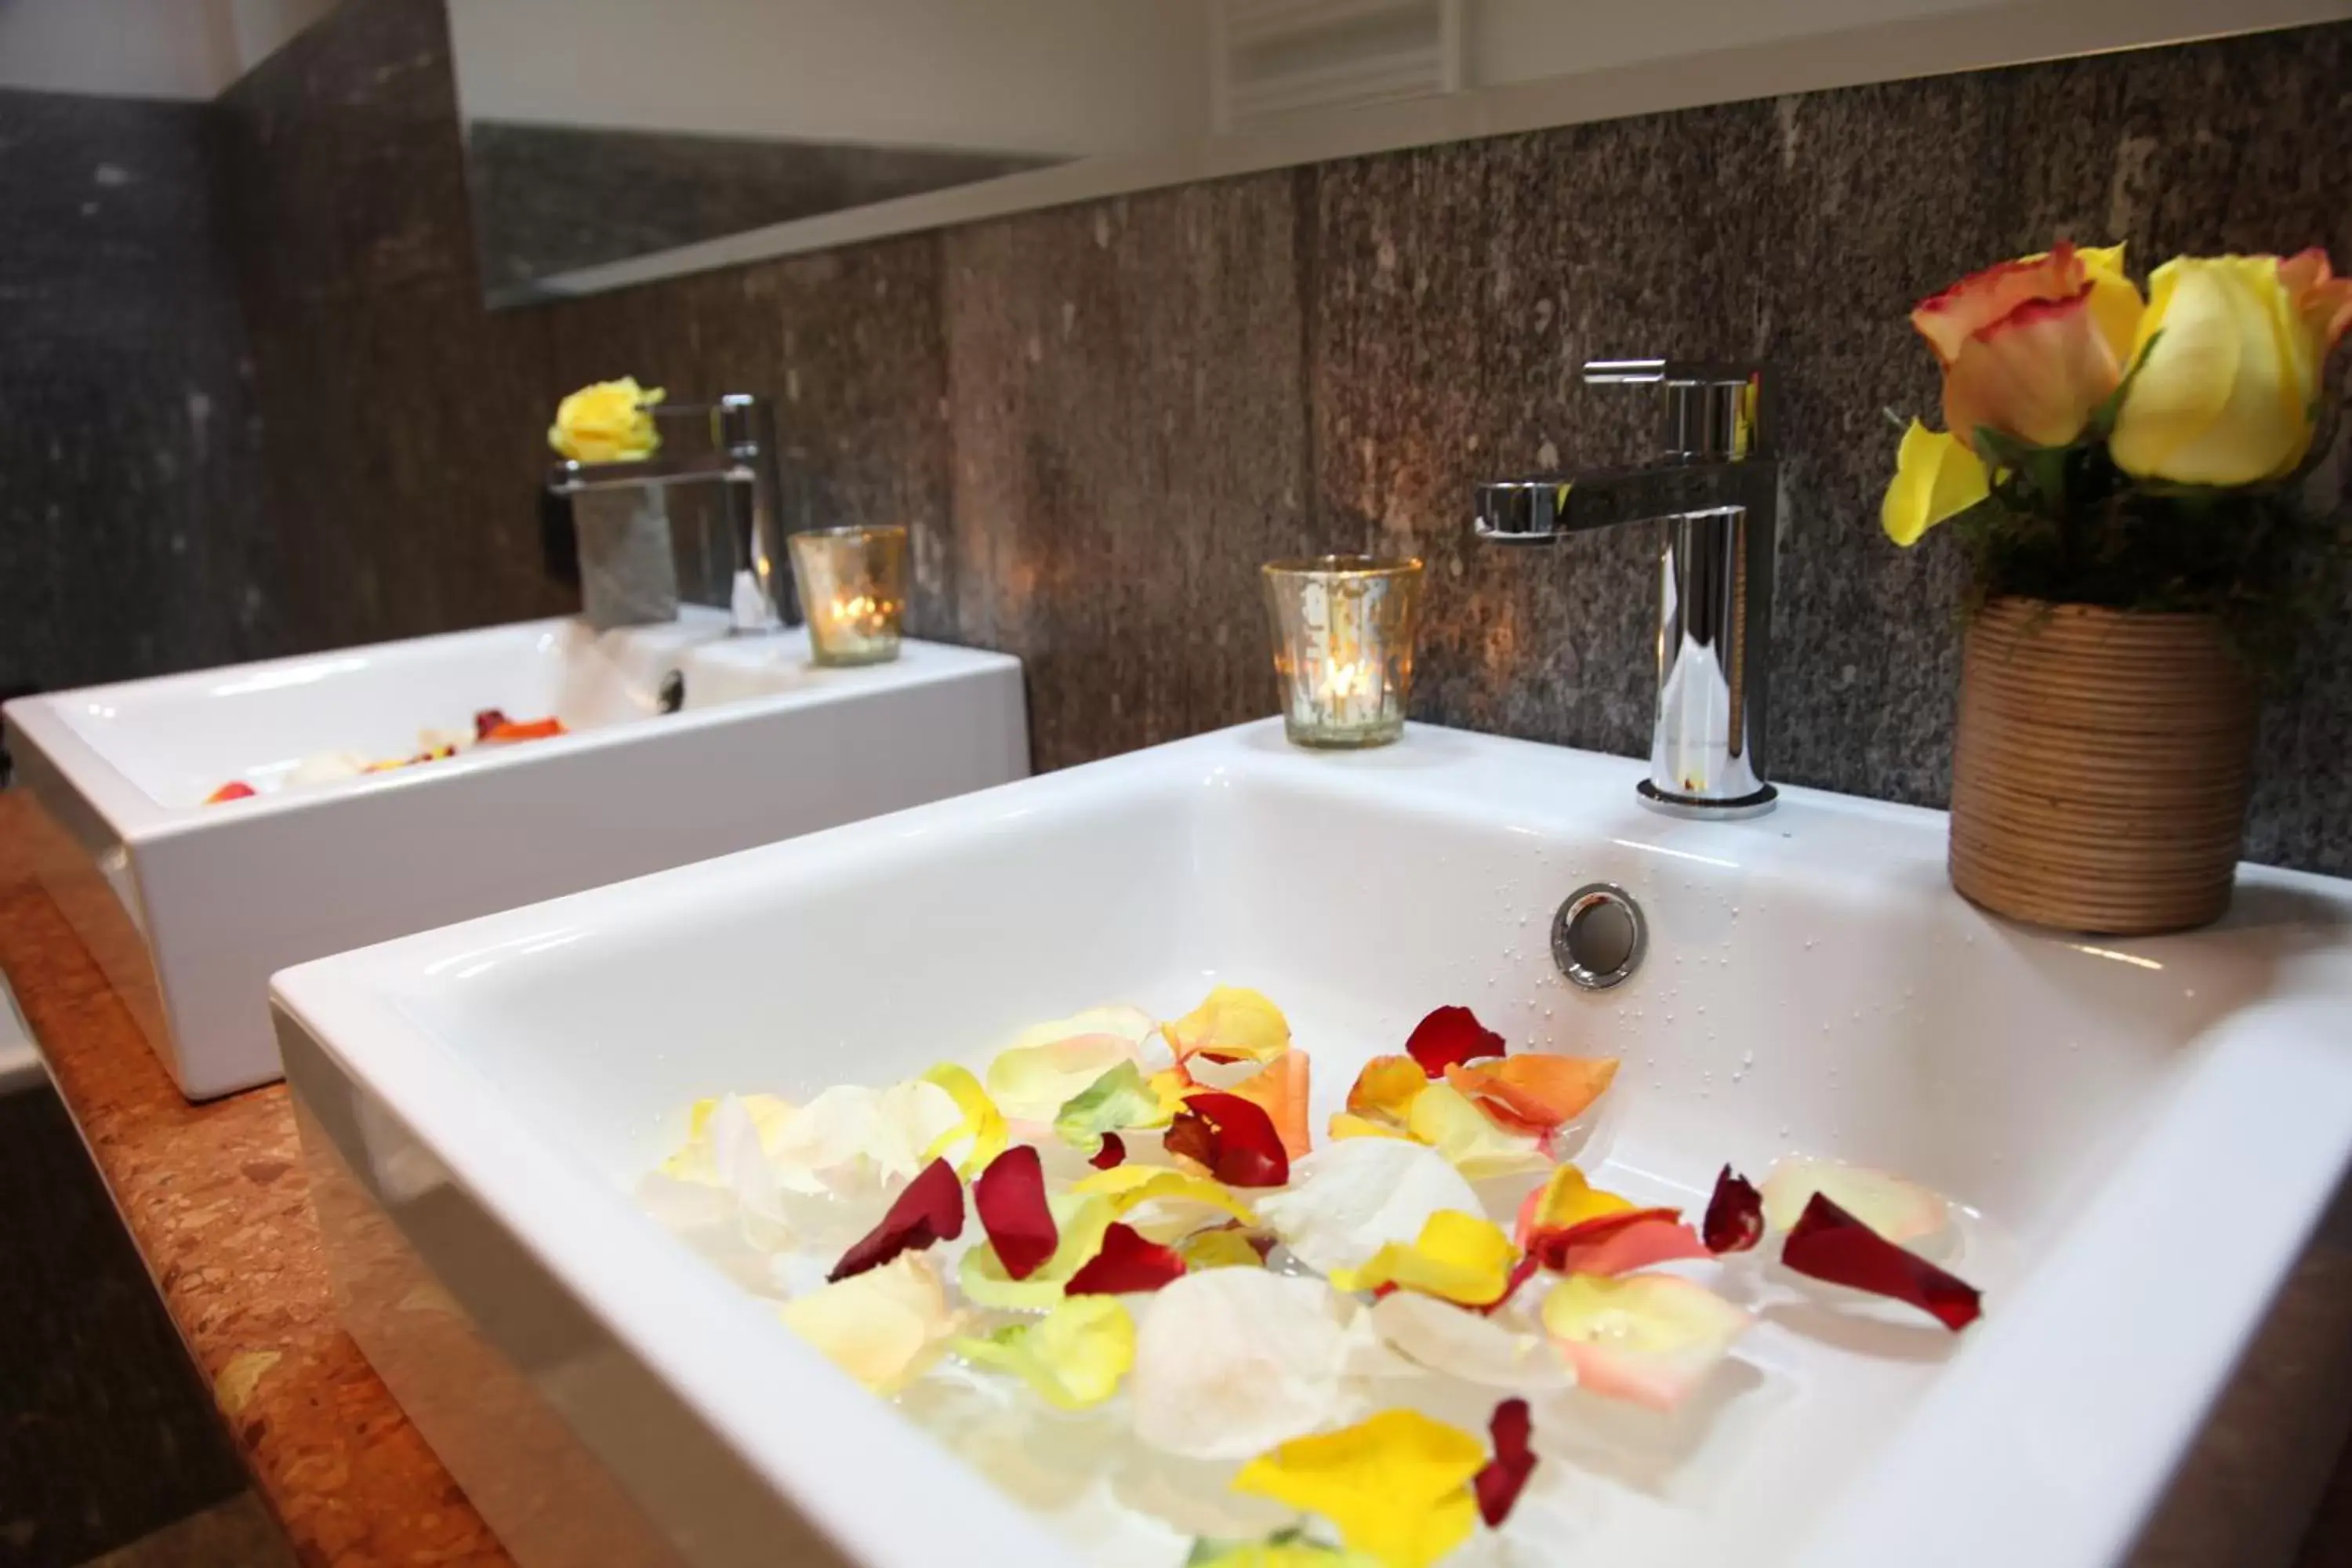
x,y
2136,453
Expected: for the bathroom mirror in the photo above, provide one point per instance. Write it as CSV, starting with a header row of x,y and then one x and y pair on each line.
x,y
613,141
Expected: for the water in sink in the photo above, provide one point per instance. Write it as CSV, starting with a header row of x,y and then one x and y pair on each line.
x,y
1135,1460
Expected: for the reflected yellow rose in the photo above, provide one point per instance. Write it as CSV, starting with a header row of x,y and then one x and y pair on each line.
x,y
2234,349
611,421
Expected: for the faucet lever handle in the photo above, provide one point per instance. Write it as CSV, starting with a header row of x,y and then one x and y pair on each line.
x,y
1713,410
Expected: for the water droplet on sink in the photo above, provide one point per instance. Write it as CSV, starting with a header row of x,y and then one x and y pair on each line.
x,y
1748,1060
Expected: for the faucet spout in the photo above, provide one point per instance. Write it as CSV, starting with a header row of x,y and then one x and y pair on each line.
x,y
1716,500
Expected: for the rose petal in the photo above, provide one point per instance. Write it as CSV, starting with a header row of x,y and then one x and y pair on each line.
x,y
931,1210
1647,1338
1225,1246
1282,1549
1499,1484
1119,1100
1229,1362
1396,1487
1384,1092
1010,1198
1112,1153
1074,1356
850,1140
882,1327
1168,1194
1233,1137
236,789
1898,1210
1232,1024
1448,1036
1280,1088
1735,1215
1459,1258
1565,1200
981,1120
1465,1345
1534,1093
1828,1243
1082,1219
1617,1243
1033,1082
1351,1198
1522,1272
1458,1129
1126,1266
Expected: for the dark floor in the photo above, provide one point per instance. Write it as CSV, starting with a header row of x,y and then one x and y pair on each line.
x,y
107,1435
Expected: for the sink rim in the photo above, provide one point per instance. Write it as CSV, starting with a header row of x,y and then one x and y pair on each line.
x,y
2269,1066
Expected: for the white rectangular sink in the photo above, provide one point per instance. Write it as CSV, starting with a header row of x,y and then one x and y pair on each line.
x,y
191,906
2145,1134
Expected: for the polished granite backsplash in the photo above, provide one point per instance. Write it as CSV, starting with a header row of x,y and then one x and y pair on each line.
x,y
133,539
1099,418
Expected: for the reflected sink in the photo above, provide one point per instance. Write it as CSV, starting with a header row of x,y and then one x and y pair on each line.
x,y
2144,1133
189,907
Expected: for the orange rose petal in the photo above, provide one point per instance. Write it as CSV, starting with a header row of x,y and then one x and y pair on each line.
x,y
1384,1092
1617,1243
1565,1199
1534,1093
1280,1090
1977,300
1651,1339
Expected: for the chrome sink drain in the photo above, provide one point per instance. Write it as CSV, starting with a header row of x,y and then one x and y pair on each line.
x,y
1599,936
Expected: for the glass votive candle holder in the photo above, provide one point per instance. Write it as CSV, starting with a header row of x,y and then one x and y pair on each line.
x,y
1344,628
852,588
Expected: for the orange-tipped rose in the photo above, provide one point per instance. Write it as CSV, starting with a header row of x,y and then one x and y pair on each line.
x,y
2032,348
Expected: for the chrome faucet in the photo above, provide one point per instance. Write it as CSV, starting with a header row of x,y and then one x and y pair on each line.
x,y
743,457
1715,489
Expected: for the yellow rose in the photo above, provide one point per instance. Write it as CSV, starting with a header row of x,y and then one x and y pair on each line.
x,y
611,421
2235,347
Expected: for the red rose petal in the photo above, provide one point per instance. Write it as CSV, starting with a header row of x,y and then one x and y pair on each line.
x,y
1233,1137
1617,1243
1735,1215
1128,1265
1112,1153
1830,1244
487,720
929,1210
1010,1198
1450,1037
1499,1484
1522,1272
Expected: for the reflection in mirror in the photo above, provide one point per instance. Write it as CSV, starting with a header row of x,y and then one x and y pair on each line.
x,y
611,142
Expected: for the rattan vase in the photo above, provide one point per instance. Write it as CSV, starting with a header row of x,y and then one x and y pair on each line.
x,y
2100,773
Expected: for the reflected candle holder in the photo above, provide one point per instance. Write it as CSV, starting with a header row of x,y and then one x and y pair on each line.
x,y
1344,628
853,589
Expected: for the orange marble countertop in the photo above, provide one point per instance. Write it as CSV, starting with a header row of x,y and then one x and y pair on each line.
x,y
216,1198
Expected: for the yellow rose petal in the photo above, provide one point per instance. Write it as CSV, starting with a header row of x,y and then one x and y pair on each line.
x,y
1232,1021
1647,1338
2221,394
1033,1082
1397,1487
882,1327
1936,478
1566,1198
1128,1188
1074,1356
1459,1258
610,422
1219,1248
1445,1119
982,1123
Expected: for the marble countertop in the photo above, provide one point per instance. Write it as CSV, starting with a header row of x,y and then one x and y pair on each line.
x,y
215,1199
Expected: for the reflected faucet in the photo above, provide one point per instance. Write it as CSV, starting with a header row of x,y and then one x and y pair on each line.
x,y
743,457
1715,489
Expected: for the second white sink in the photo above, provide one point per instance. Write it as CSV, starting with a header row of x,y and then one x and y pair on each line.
x,y
190,906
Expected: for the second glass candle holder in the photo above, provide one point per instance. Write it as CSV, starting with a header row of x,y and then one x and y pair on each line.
x,y
852,588
1344,628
